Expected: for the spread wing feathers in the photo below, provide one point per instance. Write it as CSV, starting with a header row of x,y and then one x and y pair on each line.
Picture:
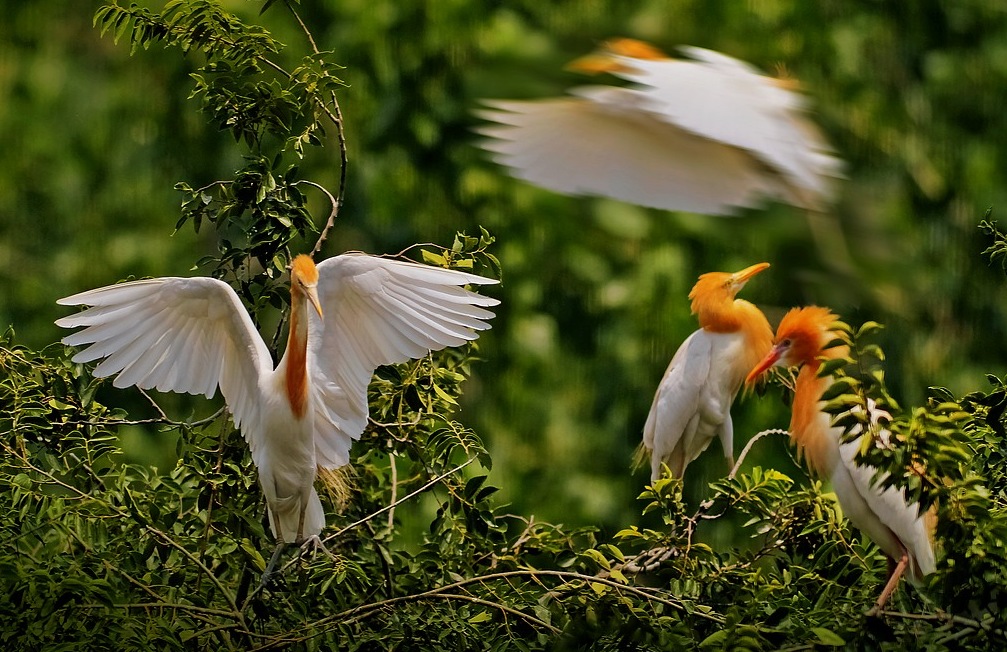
x,y
690,406
380,311
603,143
173,334
727,100
888,509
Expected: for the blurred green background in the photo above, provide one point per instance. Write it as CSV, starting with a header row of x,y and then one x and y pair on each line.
x,y
911,95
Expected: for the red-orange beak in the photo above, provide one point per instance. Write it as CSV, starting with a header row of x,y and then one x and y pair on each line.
x,y
771,360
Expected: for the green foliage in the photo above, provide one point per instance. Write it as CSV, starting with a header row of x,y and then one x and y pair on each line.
x,y
105,554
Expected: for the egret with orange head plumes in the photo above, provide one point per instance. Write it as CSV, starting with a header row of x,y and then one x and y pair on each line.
x,y
193,335
708,134
692,405
884,515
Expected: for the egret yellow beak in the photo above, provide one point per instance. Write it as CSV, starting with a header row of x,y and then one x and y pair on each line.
x,y
749,272
312,293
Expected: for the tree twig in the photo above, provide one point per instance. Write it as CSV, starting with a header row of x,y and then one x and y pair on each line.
x,y
400,500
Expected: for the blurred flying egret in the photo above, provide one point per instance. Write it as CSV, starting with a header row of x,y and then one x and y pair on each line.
x,y
884,515
709,134
193,335
693,402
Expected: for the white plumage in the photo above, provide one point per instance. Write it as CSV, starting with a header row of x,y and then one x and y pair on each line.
x,y
193,335
707,135
884,515
692,405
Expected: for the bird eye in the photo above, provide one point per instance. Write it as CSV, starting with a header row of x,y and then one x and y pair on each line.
x,y
786,342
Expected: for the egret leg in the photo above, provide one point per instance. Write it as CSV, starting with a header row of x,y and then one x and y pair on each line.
x,y
280,545
300,523
893,581
267,575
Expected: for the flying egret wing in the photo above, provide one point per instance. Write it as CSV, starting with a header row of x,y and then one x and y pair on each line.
x,y
727,100
380,311
603,143
173,334
678,403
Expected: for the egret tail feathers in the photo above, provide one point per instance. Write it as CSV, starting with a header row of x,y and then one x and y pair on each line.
x,y
338,483
640,456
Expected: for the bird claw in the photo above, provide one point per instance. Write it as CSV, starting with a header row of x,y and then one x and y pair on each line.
x,y
314,544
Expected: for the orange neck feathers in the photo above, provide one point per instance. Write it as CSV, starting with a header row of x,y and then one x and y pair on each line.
x,y
630,47
297,359
303,281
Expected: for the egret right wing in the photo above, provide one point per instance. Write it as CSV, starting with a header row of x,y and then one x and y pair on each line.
x,y
173,334
678,403
604,142
380,311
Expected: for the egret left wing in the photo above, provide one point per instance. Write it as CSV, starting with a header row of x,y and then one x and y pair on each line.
x,y
380,311
604,142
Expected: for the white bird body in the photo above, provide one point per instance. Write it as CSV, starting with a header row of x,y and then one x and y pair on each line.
x,y
193,335
286,462
884,515
692,405
708,135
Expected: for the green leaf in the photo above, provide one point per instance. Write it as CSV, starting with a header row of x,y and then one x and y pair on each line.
x,y
481,617
828,637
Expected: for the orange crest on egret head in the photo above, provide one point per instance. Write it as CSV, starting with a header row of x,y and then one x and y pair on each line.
x,y
630,47
799,339
606,58
303,268
720,287
807,331
304,279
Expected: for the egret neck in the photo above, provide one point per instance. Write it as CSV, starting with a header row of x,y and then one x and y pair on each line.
x,y
799,342
303,288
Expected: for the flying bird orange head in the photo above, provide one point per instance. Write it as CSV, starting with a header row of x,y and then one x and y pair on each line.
x,y
800,338
606,58
304,279
630,47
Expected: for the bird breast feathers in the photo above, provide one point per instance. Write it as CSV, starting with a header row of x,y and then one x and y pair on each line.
x,y
701,375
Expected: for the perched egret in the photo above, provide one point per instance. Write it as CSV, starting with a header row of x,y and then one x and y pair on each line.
x,y
884,515
693,402
192,334
709,134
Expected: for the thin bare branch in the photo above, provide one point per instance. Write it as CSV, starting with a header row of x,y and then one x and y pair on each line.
x,y
393,505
